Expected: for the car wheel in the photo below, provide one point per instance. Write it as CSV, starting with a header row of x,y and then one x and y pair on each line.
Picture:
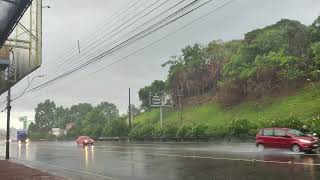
x,y
260,147
296,148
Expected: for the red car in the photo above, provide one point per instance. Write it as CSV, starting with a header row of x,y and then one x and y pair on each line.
x,y
84,140
285,138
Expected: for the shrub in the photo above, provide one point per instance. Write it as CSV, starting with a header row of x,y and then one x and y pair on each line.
x,y
241,128
218,131
314,125
158,131
290,122
170,131
142,131
199,130
184,131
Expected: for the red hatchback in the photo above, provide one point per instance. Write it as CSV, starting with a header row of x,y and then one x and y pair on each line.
x,y
285,138
84,140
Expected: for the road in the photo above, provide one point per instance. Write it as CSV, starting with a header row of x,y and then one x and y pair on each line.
x,y
129,161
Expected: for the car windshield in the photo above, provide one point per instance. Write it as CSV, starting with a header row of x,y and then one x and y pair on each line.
x,y
295,133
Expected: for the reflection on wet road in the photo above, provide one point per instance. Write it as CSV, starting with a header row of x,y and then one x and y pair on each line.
x,y
165,161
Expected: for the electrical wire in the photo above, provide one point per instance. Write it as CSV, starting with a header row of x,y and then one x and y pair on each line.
x,y
154,42
129,41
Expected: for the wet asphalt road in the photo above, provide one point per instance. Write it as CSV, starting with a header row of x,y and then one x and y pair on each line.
x,y
129,161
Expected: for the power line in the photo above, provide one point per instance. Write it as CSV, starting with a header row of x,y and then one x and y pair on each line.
x,y
129,41
95,38
99,27
117,40
189,5
113,32
154,42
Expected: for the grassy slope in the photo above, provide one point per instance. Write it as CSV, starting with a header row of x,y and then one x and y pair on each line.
x,y
304,104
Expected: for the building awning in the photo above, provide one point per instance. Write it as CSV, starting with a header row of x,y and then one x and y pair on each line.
x,y
10,13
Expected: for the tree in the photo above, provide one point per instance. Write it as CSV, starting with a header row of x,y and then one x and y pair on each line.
x,y
108,109
78,112
45,116
314,30
63,116
156,87
93,123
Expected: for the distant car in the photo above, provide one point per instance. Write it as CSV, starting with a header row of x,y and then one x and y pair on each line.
x,y
22,136
286,138
84,140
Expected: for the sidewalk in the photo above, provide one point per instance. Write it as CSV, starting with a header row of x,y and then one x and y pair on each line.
x,y
12,171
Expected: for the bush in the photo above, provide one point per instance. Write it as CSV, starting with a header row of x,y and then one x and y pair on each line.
x,y
241,128
199,130
170,131
314,125
184,131
218,131
290,122
158,131
142,131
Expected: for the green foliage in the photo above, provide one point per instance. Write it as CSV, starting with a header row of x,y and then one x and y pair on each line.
x,y
199,130
155,88
142,131
288,122
184,131
93,124
241,127
314,124
216,131
45,116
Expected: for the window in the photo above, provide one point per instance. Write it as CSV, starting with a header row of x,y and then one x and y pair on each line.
x,y
295,132
268,132
279,132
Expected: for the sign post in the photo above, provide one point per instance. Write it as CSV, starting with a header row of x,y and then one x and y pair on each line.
x,y
160,101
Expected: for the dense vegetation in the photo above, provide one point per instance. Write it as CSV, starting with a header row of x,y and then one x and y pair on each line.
x,y
269,78
276,61
103,120
214,120
283,55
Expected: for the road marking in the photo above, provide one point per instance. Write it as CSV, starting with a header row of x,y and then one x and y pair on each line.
x,y
216,158
204,157
68,169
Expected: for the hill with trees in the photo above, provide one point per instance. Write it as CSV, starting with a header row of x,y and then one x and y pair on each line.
x,y
278,61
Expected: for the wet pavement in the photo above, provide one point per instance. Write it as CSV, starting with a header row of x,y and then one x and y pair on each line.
x,y
129,161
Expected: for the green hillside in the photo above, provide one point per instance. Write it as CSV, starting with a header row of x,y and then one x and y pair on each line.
x,y
303,105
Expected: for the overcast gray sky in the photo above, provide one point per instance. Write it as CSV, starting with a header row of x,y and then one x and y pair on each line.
x,y
67,21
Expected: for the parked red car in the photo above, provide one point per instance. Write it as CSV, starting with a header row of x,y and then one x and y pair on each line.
x,y
285,138
84,140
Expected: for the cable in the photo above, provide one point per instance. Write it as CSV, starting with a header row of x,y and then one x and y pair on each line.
x,y
216,9
131,40
99,27
93,37
112,31
130,31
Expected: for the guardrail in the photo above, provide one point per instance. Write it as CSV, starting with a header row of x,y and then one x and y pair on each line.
x,y
178,139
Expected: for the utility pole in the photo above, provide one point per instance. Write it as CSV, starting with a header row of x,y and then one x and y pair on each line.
x,y
130,110
79,47
161,115
180,104
8,117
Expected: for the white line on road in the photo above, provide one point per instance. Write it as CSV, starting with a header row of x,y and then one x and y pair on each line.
x,y
205,157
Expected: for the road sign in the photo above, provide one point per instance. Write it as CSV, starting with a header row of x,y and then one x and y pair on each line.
x,y
156,101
